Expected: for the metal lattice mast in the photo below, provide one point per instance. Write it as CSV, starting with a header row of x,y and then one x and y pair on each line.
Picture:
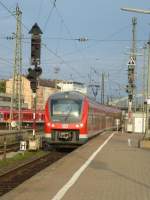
x,y
144,77
16,85
133,55
133,50
131,71
147,131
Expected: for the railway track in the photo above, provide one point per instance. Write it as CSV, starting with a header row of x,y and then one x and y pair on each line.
x,y
12,178
10,140
10,148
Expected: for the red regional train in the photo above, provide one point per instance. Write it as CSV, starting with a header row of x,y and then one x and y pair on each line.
x,y
72,118
26,118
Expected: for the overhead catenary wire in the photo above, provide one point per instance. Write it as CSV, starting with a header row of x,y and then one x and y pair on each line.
x,y
63,22
61,18
40,8
49,16
69,33
63,61
12,14
76,39
54,5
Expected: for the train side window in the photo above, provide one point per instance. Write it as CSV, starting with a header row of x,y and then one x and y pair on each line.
x,y
42,117
30,116
6,116
25,116
1,116
15,116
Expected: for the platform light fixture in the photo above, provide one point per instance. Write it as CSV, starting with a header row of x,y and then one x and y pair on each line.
x,y
136,10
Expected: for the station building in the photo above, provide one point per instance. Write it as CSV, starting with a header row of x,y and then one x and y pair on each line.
x,y
46,87
72,86
5,101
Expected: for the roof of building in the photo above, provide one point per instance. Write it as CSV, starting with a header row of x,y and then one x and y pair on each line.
x,y
48,83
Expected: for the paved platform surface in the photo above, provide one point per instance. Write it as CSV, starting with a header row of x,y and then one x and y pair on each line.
x,y
109,167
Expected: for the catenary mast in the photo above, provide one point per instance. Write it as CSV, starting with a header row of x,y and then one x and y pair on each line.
x,y
131,73
16,83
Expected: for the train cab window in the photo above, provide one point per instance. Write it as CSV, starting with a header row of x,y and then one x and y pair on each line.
x,y
66,110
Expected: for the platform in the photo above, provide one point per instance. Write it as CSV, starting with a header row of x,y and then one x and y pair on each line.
x,y
109,167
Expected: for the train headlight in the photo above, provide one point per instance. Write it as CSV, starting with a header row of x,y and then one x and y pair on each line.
x,y
53,125
81,125
77,125
48,124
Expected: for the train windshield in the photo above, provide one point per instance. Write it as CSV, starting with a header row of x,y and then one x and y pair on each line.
x,y
66,110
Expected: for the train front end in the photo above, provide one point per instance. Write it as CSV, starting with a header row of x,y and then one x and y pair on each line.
x,y
65,120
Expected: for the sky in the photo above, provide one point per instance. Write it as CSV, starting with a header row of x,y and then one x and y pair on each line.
x,y
107,28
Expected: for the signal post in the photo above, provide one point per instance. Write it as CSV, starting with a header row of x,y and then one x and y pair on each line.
x,y
130,90
34,73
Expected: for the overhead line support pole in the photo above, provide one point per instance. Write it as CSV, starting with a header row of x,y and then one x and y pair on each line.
x,y
147,132
16,82
131,74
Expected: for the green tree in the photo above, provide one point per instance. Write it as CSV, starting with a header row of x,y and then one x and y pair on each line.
x,y
2,86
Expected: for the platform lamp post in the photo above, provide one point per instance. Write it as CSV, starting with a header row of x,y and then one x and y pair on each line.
x,y
35,72
145,143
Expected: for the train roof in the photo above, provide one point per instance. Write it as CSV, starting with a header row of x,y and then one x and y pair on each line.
x,y
68,94
80,96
